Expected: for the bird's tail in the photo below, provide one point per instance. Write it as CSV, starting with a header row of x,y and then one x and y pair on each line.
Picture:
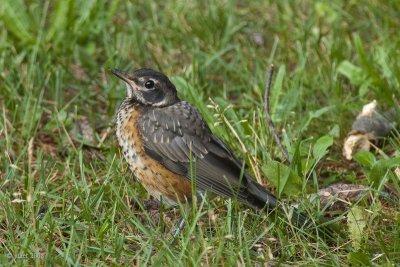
x,y
262,199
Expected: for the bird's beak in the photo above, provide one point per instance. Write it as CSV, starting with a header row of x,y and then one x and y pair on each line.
x,y
120,74
130,85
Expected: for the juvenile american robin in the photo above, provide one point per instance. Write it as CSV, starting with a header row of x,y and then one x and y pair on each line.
x,y
167,143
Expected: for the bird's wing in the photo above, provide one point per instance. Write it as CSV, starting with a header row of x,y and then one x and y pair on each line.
x,y
178,138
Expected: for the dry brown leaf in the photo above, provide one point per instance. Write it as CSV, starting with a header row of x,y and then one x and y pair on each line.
x,y
370,125
82,131
339,196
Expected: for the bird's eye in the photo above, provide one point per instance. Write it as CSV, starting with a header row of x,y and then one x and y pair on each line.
x,y
149,84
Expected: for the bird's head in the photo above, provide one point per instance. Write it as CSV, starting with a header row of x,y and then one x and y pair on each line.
x,y
148,87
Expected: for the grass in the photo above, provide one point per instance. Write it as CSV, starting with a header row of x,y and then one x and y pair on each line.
x,y
67,200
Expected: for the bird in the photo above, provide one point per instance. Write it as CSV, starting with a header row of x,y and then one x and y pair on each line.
x,y
169,146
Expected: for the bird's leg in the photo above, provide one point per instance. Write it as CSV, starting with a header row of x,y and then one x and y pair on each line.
x,y
178,228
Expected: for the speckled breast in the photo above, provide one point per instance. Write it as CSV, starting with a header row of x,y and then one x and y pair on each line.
x,y
128,137
157,180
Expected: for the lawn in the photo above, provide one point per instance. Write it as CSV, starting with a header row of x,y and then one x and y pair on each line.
x,y
67,196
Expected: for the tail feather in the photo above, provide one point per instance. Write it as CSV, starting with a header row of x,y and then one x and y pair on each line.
x,y
259,197
262,199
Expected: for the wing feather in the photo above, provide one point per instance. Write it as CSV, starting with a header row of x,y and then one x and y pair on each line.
x,y
189,139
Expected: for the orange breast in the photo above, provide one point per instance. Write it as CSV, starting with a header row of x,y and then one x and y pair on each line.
x,y
157,180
